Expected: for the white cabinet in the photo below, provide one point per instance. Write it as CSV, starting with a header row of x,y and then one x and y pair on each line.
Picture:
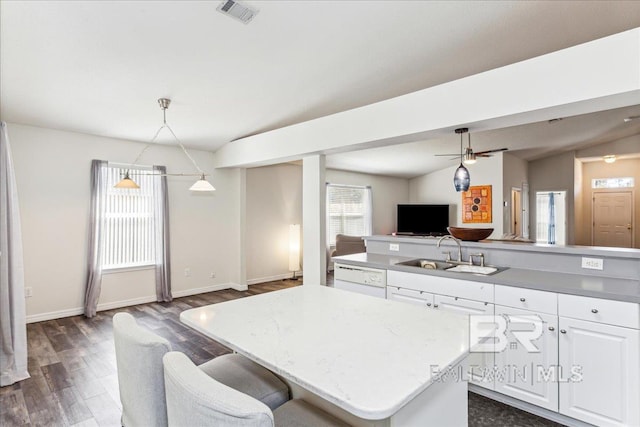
x,y
480,363
410,296
529,375
607,390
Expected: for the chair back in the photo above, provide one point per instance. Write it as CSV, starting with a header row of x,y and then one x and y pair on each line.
x,y
139,358
195,399
347,245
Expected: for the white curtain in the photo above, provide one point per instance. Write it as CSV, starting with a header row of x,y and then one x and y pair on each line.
x,y
13,325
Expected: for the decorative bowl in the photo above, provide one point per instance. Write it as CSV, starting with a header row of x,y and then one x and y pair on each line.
x,y
470,234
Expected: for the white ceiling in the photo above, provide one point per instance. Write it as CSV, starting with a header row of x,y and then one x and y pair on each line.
x,y
98,67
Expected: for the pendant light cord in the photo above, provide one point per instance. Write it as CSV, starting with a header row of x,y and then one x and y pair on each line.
x,y
184,150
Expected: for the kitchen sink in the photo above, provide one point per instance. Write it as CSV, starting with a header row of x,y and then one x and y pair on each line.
x,y
430,264
473,269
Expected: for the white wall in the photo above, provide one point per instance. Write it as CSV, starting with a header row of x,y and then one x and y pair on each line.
x,y
52,173
387,193
437,188
514,171
274,200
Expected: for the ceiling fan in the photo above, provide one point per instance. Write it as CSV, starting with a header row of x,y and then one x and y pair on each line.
x,y
469,157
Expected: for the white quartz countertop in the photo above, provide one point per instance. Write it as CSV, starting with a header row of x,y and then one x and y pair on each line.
x,y
574,284
367,355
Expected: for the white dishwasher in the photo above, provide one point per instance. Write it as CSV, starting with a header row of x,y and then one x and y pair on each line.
x,y
364,280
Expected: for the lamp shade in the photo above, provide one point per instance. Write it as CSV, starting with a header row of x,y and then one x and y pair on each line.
x,y
294,247
126,182
202,185
461,179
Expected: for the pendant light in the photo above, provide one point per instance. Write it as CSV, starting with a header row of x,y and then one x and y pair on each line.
x,y
461,179
200,185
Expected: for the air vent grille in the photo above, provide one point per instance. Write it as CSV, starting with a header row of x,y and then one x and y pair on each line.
x,y
237,11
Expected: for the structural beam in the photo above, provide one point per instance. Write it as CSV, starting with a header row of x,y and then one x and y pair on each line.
x,y
595,76
314,230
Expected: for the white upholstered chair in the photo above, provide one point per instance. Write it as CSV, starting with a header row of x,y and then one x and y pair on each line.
x,y
195,399
139,355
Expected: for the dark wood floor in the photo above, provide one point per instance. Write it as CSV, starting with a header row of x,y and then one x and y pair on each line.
x,y
73,367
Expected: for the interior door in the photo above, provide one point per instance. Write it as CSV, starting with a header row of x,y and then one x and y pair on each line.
x,y
612,219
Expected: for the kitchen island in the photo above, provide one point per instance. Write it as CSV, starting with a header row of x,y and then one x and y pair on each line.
x,y
368,361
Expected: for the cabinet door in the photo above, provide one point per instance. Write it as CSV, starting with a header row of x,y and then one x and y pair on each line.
x,y
480,363
527,374
607,390
410,296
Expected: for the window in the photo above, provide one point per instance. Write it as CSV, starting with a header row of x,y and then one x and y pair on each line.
x,y
551,217
348,211
128,225
612,183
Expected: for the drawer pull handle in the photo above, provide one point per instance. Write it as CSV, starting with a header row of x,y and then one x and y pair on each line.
x,y
455,298
428,304
594,311
562,331
435,305
551,328
522,300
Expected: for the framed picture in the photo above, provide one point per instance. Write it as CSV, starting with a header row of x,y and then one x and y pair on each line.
x,y
476,204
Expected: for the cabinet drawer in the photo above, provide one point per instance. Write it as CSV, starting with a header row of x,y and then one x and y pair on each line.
x,y
617,313
468,289
527,299
420,298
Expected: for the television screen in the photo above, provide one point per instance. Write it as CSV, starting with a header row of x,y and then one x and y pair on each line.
x,y
423,219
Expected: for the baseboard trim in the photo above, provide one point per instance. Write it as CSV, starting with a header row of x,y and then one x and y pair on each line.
x,y
41,317
272,278
528,407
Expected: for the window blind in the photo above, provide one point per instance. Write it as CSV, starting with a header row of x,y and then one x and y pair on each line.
x,y
128,236
348,211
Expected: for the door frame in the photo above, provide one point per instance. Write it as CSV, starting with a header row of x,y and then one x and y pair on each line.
x,y
519,232
633,214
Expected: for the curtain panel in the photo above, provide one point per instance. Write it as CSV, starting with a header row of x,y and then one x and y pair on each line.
x,y
163,255
94,257
13,325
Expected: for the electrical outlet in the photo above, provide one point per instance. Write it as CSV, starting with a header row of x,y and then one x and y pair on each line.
x,y
28,292
187,272
212,275
394,247
593,263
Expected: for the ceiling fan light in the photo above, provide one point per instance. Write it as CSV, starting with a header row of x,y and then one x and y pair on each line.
x,y
461,179
126,183
469,158
202,185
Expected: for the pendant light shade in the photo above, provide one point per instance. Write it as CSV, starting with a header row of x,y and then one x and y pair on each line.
x,y
202,185
127,182
462,179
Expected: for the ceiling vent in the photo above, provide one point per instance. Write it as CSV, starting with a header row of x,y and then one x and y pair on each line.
x,y
237,11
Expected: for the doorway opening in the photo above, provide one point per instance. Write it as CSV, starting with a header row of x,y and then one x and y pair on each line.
x,y
516,212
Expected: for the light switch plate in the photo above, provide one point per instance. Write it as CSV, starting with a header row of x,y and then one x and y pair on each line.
x,y
593,263
394,247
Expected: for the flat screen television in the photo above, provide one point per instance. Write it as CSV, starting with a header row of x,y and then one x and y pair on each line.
x,y
423,220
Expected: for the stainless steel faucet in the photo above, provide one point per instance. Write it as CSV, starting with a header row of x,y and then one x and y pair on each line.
x,y
448,236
